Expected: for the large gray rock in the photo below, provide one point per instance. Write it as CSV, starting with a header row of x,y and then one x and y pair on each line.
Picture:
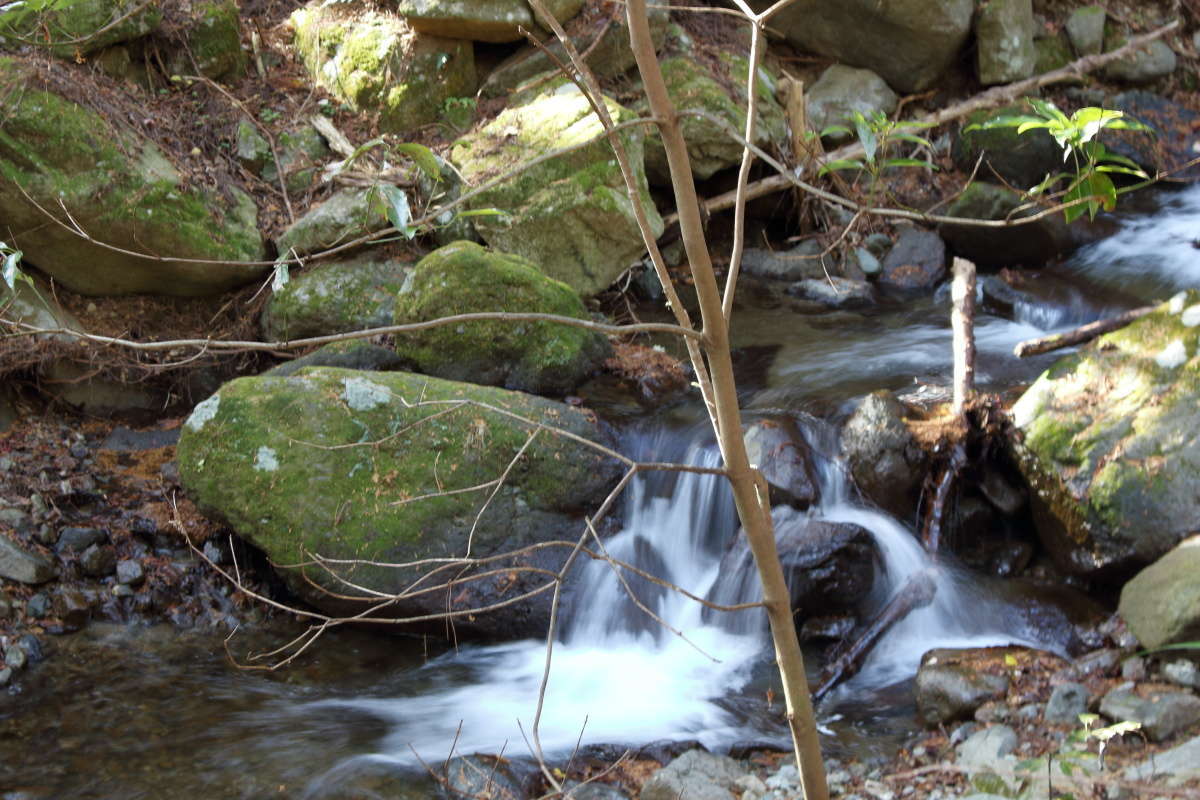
x,y
118,186
1004,41
910,43
1182,761
951,684
841,91
777,447
18,564
1066,703
346,215
695,775
78,27
1161,605
1155,60
988,748
1110,443
539,357
481,20
884,458
570,215
1085,28
387,467
916,262
1161,714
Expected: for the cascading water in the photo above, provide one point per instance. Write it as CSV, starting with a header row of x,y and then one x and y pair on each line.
x,y
620,676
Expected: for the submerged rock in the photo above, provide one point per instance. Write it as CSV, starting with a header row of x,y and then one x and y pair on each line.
x,y
1110,444
118,186
539,357
394,468
569,215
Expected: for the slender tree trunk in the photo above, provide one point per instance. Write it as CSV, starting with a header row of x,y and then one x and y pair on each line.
x,y
749,489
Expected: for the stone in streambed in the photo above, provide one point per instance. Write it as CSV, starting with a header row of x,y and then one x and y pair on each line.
x,y
951,684
1161,714
916,262
1161,605
696,775
22,566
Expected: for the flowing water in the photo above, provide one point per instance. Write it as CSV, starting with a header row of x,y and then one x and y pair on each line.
x,y
136,713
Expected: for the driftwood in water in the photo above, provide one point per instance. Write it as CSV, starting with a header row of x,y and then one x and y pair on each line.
x,y
962,322
917,593
1084,333
933,526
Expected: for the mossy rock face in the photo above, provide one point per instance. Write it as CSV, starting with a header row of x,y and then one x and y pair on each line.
x,y
348,214
335,298
119,187
83,26
1004,49
569,215
1111,444
481,20
365,465
1031,244
693,87
373,61
463,278
212,39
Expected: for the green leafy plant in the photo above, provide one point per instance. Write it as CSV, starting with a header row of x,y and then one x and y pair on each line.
x,y
459,112
879,136
269,115
1089,187
10,267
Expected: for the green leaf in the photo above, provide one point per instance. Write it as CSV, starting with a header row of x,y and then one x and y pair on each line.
x,y
484,212
1090,121
11,270
908,162
1048,110
835,129
867,138
1048,182
281,276
423,157
397,209
841,163
991,783
1033,124
912,137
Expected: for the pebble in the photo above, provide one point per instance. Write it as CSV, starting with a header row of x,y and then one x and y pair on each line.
x,y
1182,672
1067,702
15,657
122,590
214,552
130,572
76,540
98,561
1133,669
38,606
79,451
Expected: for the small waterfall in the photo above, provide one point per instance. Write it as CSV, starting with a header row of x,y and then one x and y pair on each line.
x,y
619,676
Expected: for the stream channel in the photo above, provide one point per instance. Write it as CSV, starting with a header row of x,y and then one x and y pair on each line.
x,y
155,713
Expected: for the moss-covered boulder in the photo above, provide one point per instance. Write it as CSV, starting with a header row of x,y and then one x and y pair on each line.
x,y
1004,49
77,27
1111,444
335,298
348,214
1031,244
694,86
395,467
208,38
1161,605
1022,159
119,187
372,60
570,215
463,278
481,20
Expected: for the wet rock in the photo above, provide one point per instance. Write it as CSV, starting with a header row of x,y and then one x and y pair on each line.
x,y
695,774
1085,27
840,92
537,357
802,262
777,447
335,297
909,43
98,561
38,606
1180,762
1161,605
18,564
950,685
884,459
1161,713
835,292
245,455
15,657
1067,702
76,540
73,608
1181,672
481,777
15,518
1111,446
32,647
571,215
916,262
130,572
1170,145
1004,48
988,748
1029,244
5,676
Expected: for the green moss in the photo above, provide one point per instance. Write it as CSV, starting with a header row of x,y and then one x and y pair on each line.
x,y
462,278
83,26
332,461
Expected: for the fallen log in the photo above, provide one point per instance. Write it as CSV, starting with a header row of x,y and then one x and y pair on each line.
x,y
996,96
1080,335
916,593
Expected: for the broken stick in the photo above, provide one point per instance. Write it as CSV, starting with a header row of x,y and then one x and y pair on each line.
x,y
962,322
1080,335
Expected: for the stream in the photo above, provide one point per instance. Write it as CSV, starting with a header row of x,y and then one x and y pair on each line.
x,y
135,712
